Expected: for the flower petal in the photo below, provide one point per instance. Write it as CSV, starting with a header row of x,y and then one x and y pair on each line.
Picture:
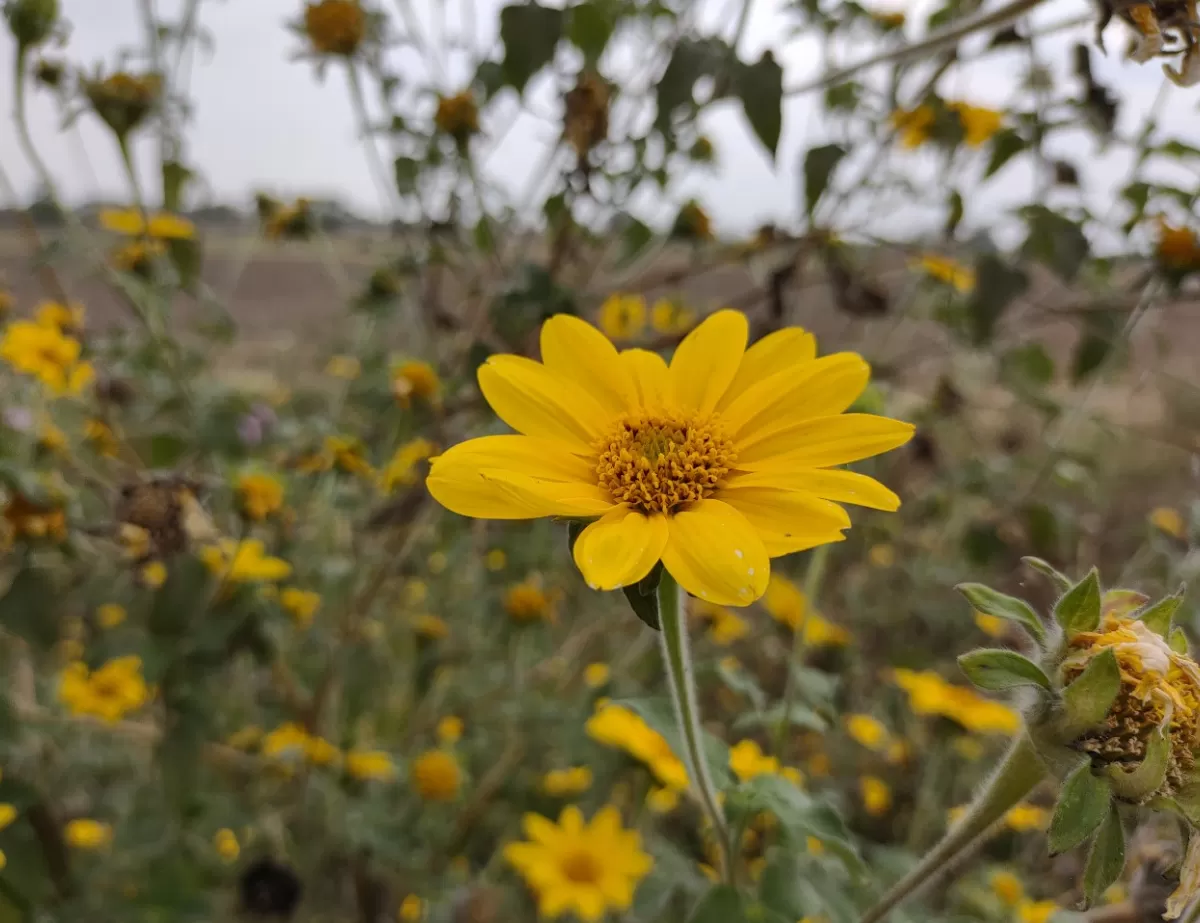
x,y
788,520
782,351
549,497
620,548
827,483
544,458
825,441
575,350
651,379
707,360
820,388
715,554
538,402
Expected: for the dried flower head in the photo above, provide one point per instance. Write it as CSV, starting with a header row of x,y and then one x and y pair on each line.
x,y
457,116
335,27
585,122
123,100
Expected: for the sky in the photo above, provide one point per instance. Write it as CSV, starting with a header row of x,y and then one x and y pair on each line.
x,y
262,120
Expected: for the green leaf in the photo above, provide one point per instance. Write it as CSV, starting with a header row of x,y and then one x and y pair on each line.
x,y
643,597
1082,806
1079,608
1087,700
722,904
1006,144
800,886
1056,241
485,240
1178,641
742,681
1060,580
635,238
1106,858
819,164
690,60
997,670
1101,330
180,600
166,449
996,285
174,177
530,34
406,170
1158,617
991,602
800,814
954,213
1028,365
1148,776
29,606
798,715
760,88
590,25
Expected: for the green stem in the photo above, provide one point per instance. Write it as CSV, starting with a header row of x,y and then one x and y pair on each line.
x,y
812,586
1018,773
677,656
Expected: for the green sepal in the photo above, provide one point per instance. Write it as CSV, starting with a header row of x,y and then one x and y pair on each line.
x,y
990,602
996,670
643,597
1178,641
1088,699
1060,580
1079,608
1082,806
1106,858
1158,617
1149,775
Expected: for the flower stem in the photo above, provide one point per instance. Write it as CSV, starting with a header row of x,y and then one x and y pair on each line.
x,y
1020,770
678,659
812,586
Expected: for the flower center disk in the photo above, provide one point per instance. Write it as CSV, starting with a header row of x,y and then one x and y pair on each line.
x,y
581,868
657,462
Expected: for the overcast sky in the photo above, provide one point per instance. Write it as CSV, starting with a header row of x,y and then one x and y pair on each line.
x,y
262,120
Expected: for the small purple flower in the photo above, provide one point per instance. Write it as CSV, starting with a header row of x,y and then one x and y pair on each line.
x,y
250,430
265,415
19,419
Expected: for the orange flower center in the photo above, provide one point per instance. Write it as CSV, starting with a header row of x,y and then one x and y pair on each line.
x,y
335,26
657,462
581,868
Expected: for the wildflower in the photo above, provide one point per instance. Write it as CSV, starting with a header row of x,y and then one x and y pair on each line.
x,y
430,627
929,694
662,800
991,625
246,738
1177,249
85,833
692,223
1036,911
110,615
436,775
137,257
747,761
7,815
457,116
345,367
978,123
413,380
47,354
1026,817
585,121
301,605
335,27
914,126
1169,521
25,519
496,560
882,555
412,909
370,765
623,317
814,846
670,317
577,867
123,100
867,731
225,842
108,693
567,783
66,319
596,675
401,470
259,495
949,271
348,454
876,795
130,222
450,729
527,602
290,741
243,562
713,465
153,575
1007,886
787,604
292,222
617,726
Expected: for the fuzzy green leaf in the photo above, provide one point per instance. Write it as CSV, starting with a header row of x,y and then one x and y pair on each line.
x,y
998,670
1159,616
1178,641
1135,784
1079,608
1060,580
1082,806
720,905
530,34
990,602
1087,700
819,164
760,88
1106,858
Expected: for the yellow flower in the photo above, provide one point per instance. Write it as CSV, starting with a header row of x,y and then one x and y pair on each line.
x,y
47,354
787,604
225,842
430,627
437,562
110,615
979,124
882,555
529,602
417,380
868,731
123,100
302,605
949,271
596,675
335,27
991,625
915,126
496,560
320,752
450,729
617,726
567,783
712,465
288,741
671,317
1025,817
583,868
814,846
929,694
1169,520
1177,249
662,800
108,693
101,436
246,738
876,795
243,562
347,454
51,438
370,765
436,775
85,833
898,753
457,115
344,367
747,761
7,815
67,320
623,317
401,470
153,575
260,495
1007,886
412,909
1036,911
130,223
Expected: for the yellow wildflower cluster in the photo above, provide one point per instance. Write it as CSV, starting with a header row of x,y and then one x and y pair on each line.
x,y
949,271
567,783
46,352
243,562
369,765
300,604
529,601
929,694
290,743
618,727
748,761
108,693
259,495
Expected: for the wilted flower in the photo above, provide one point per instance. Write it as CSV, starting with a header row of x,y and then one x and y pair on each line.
x,y
458,116
585,122
1177,249
123,100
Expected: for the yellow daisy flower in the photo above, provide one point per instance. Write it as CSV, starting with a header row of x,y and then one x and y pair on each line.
x,y
85,833
713,464
129,222
47,354
436,775
876,795
623,317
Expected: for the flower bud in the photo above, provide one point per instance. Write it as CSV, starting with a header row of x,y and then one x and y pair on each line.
x,y
31,21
